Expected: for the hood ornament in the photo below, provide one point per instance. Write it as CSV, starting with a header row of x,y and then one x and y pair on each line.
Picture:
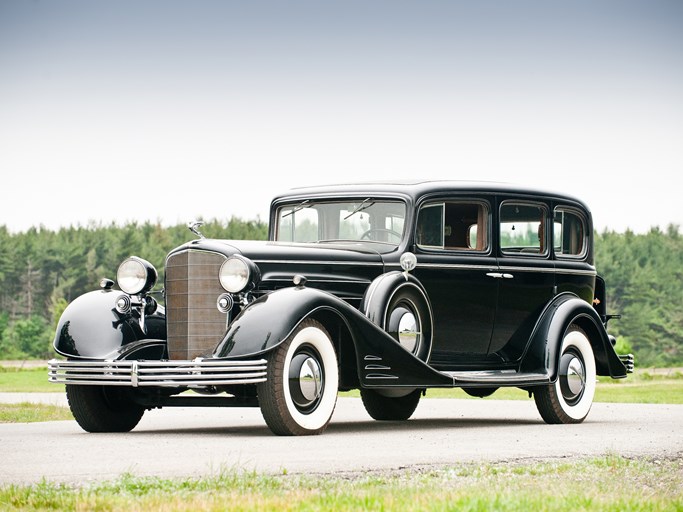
x,y
194,227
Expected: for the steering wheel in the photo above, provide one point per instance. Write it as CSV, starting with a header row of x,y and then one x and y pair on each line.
x,y
369,234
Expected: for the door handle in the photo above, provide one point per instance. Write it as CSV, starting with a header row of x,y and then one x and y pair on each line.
x,y
499,275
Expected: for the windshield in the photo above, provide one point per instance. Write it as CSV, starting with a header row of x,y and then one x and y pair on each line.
x,y
366,219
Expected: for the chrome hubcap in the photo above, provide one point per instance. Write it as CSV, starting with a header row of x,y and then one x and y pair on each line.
x,y
407,332
404,327
305,381
572,377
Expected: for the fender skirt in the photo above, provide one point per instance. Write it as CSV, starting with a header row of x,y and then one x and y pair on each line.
x,y
380,360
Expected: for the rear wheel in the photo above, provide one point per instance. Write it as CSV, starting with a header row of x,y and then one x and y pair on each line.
x,y
103,408
300,393
384,407
570,398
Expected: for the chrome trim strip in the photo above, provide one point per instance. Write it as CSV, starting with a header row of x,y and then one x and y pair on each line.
x,y
314,280
377,367
553,270
576,272
459,266
321,262
490,268
157,373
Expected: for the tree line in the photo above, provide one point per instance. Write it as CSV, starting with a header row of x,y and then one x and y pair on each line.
x,y
42,270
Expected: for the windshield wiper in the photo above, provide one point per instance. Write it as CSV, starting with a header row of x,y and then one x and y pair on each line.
x,y
299,207
363,206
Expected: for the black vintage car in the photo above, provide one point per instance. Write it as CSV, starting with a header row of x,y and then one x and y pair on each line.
x,y
389,288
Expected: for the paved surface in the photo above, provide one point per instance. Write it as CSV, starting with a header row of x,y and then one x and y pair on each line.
x,y
175,442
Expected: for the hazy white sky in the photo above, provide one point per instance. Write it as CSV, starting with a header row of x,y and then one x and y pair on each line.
x,y
172,110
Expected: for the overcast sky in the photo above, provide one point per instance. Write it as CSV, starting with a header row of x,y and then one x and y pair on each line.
x,y
167,110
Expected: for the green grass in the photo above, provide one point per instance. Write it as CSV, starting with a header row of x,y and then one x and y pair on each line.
x,y
609,483
26,380
26,412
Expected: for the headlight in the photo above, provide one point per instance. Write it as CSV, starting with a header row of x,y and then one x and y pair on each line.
x,y
136,275
238,274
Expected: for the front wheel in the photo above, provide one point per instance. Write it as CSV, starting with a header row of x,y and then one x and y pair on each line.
x,y
300,393
103,408
385,407
570,398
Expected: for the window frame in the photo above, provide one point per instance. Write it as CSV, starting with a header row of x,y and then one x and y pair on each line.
x,y
483,220
584,237
543,248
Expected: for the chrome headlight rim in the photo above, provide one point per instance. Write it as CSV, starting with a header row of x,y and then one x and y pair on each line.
x,y
136,275
238,274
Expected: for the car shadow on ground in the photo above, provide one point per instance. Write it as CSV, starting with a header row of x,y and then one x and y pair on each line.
x,y
343,427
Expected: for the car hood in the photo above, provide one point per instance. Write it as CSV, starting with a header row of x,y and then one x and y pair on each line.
x,y
345,269
268,251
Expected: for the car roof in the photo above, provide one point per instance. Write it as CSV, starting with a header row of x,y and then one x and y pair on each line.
x,y
417,188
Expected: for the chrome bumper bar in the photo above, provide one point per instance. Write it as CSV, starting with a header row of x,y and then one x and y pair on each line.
x,y
629,362
199,372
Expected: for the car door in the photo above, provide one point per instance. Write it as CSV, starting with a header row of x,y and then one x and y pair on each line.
x,y
526,274
455,260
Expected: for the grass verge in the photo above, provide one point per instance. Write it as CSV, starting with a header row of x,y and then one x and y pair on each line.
x,y
26,412
26,380
606,483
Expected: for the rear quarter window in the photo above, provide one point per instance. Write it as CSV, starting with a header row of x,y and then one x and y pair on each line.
x,y
569,232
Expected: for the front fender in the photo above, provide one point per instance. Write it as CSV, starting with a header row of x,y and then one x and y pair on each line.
x,y
380,361
91,328
266,322
543,354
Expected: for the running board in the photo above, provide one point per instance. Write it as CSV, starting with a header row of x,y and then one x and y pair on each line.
x,y
497,378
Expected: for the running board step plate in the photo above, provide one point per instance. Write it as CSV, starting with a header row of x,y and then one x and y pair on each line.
x,y
497,378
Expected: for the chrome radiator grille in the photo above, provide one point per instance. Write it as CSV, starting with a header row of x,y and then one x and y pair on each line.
x,y
193,323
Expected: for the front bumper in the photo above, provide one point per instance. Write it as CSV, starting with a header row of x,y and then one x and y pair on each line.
x,y
196,373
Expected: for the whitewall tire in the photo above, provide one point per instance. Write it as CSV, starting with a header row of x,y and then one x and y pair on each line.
x,y
570,397
300,393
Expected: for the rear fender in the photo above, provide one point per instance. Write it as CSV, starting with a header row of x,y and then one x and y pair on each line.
x,y
543,354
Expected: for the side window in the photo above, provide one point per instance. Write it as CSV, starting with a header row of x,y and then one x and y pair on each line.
x,y
453,225
522,228
569,232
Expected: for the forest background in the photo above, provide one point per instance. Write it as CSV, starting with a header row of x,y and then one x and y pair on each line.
x,y
42,270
